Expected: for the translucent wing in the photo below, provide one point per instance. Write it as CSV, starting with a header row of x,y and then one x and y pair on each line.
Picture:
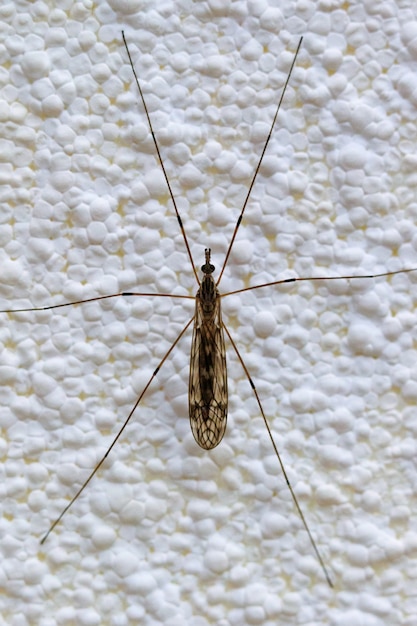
x,y
208,377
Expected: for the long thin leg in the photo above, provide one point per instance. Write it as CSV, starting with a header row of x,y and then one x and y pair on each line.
x,y
259,163
314,278
114,295
222,295
161,161
97,467
297,506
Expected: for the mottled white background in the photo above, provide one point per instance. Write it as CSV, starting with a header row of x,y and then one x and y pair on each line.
x,y
168,533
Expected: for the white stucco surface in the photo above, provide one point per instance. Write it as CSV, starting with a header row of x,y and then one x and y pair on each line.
x,y
167,533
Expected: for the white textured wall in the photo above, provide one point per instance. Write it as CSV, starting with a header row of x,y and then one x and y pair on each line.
x,y
167,533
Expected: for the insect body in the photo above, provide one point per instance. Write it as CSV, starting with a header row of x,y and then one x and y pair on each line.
x,y
208,375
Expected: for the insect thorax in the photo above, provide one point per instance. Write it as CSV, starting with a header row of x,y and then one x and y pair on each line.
x,y
207,295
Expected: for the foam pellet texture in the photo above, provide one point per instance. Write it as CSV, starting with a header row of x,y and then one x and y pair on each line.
x,y
167,533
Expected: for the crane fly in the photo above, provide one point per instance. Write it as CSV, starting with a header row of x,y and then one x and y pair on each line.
x,y
207,390
208,376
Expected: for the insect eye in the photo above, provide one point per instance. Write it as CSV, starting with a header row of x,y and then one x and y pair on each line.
x,y
207,268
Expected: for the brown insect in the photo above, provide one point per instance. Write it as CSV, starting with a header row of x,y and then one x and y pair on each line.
x,y
208,397
207,390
